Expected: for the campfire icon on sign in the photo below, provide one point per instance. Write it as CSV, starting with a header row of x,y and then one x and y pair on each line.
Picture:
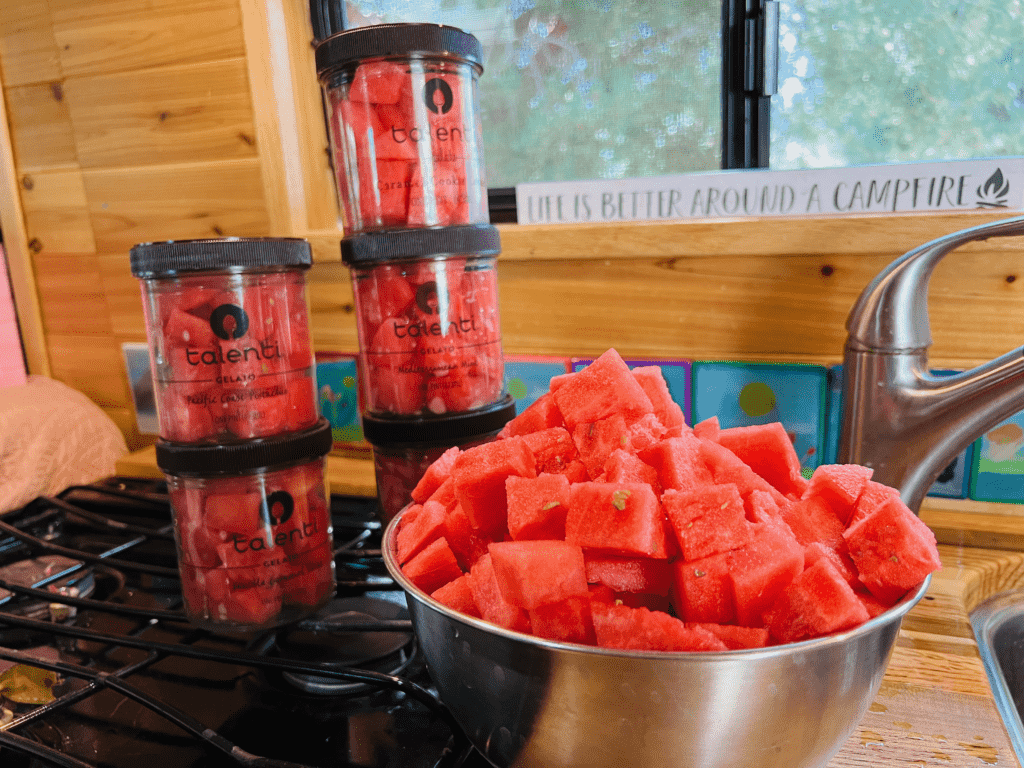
x,y
992,194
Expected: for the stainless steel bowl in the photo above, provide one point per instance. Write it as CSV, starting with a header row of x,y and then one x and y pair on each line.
x,y
533,703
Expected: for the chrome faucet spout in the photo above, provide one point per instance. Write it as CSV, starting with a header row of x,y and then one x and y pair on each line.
x,y
898,418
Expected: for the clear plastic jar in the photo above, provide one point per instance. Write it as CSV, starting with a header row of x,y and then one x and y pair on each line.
x,y
427,315
403,449
253,531
228,328
404,125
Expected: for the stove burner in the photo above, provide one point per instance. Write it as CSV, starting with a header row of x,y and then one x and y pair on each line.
x,y
324,640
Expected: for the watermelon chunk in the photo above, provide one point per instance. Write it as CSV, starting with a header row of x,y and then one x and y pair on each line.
x,y
420,526
433,567
595,441
708,428
871,498
840,485
761,570
767,449
618,518
812,519
640,629
458,595
489,600
652,380
568,621
553,450
735,637
479,475
893,550
678,463
604,388
703,591
466,543
817,602
539,415
629,574
534,573
625,467
435,475
707,521
537,506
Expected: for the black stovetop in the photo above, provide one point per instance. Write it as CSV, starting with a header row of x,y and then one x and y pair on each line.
x,y
141,687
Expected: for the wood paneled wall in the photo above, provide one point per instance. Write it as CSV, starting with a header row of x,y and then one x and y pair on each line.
x,y
133,120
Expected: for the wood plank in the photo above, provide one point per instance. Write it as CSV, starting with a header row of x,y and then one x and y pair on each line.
x,y
185,113
290,129
41,130
127,35
28,49
123,296
71,294
783,235
18,256
93,365
135,205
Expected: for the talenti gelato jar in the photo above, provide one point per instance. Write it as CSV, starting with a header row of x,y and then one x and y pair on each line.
x,y
253,528
427,315
228,327
404,125
403,449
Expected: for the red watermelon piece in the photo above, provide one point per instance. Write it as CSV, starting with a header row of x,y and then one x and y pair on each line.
x,y
893,550
466,542
458,595
436,474
629,574
767,449
651,378
420,526
489,600
433,567
479,475
735,637
726,467
617,518
567,621
537,506
678,463
703,591
817,602
625,467
707,521
840,485
761,570
871,498
533,573
595,441
639,629
604,388
541,414
553,450
812,519
708,429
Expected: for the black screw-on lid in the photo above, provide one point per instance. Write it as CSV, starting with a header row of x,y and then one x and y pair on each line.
x,y
170,257
368,248
449,429
376,40
242,458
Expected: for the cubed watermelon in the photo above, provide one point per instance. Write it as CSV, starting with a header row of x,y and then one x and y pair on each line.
x,y
678,463
629,574
768,450
666,409
435,475
812,519
596,440
420,526
708,428
457,594
639,629
625,467
534,573
817,602
433,567
604,388
707,521
840,485
871,498
893,550
479,474
553,450
567,621
761,570
466,543
537,506
617,518
492,605
736,637
541,414
702,590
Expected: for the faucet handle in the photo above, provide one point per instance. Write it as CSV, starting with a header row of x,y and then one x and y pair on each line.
x,y
891,315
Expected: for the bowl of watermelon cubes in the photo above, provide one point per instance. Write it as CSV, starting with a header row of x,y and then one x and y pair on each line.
x,y
604,585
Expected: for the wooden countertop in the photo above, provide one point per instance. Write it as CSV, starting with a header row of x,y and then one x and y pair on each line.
x,y
935,707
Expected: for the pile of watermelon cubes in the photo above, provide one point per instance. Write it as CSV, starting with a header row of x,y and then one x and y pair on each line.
x,y
599,517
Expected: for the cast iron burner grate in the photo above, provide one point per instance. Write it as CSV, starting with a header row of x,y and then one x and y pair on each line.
x,y
140,686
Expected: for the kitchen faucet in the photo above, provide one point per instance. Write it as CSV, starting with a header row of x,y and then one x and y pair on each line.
x,y
898,418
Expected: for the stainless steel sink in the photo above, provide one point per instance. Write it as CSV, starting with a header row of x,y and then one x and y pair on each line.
x,y
998,625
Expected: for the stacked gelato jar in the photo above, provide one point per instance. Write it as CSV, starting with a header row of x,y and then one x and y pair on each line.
x,y
406,139
241,443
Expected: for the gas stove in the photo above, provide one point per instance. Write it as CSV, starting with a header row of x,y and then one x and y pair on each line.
x,y
89,593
